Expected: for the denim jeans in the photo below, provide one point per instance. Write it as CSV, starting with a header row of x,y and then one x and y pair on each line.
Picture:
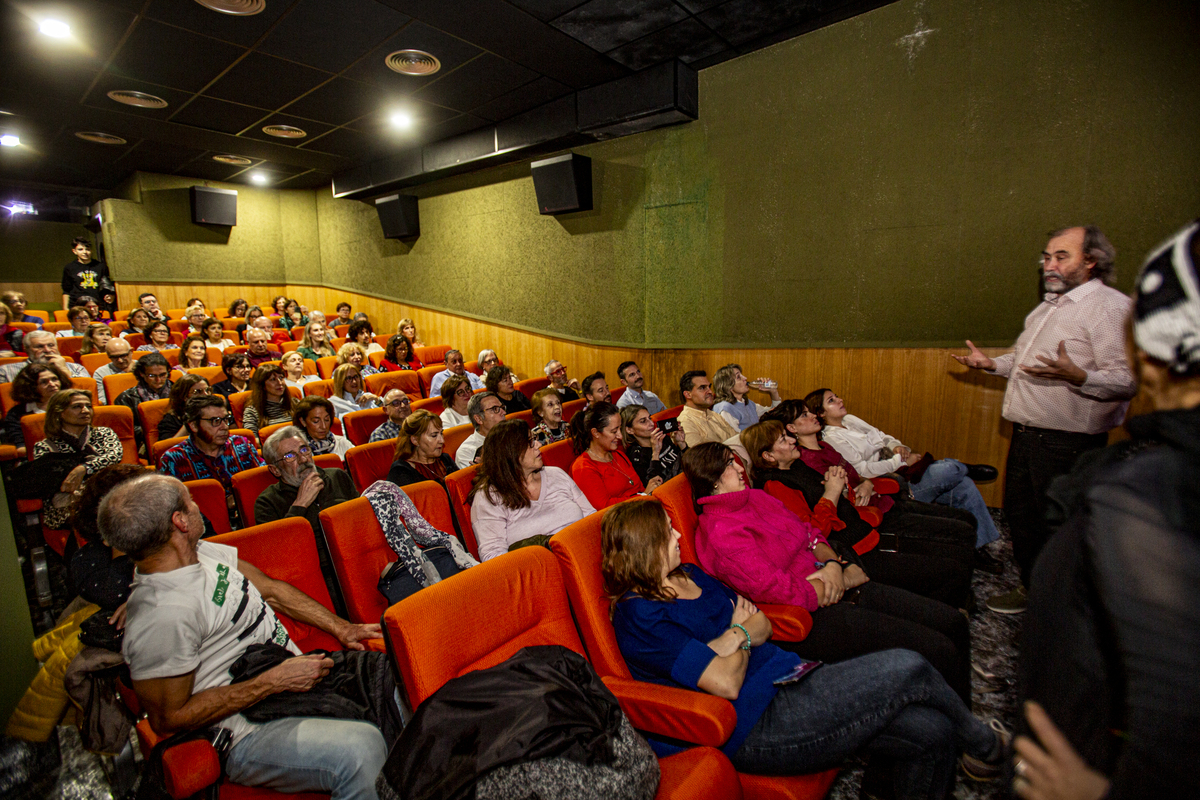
x,y
311,754
892,704
946,482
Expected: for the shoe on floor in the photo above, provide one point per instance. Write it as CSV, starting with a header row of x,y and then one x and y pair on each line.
x,y
979,770
1014,602
987,562
982,473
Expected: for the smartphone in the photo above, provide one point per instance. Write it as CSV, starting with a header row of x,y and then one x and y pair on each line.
x,y
668,425
798,673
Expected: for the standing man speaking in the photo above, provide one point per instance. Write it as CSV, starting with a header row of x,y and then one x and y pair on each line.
x,y
1069,384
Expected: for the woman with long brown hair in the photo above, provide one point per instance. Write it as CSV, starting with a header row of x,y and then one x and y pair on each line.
x,y
419,455
270,401
601,468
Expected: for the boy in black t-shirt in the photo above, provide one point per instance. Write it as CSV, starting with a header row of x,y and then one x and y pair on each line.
x,y
83,275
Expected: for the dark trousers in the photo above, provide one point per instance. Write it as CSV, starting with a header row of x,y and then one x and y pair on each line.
x,y
929,529
1036,457
936,577
884,617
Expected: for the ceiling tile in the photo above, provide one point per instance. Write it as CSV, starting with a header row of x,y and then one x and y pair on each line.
x,y
158,156
280,167
168,56
194,17
266,81
204,168
605,25
308,126
450,51
687,40
477,82
522,99
425,116
339,101
743,21
331,34
344,142
546,10
273,177
696,6
309,180
216,115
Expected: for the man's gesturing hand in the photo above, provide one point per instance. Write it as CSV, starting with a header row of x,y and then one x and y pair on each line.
x,y
975,359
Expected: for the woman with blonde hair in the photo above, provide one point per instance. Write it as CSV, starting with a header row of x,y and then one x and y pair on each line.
x,y
408,329
348,392
353,353
419,455
730,388
315,343
69,431
95,338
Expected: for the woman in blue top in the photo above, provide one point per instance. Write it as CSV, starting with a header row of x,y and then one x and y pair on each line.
x,y
678,626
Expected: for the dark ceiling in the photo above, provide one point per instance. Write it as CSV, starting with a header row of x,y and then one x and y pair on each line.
x,y
318,65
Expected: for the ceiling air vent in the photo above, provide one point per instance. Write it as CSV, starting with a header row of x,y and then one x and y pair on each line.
x,y
100,138
240,161
237,8
284,131
139,99
412,62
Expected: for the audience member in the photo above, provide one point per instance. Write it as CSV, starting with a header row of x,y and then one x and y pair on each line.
x,y
485,412
398,355
153,383
279,307
700,423
293,368
210,451
319,316
408,329
360,315
173,425
95,312
275,336
499,380
1062,398
652,452
354,353
79,318
548,413
516,500
94,338
149,303
136,322
454,367
292,315
41,347
270,401
419,455
456,394
314,414
179,644
83,275
11,338
237,370
214,334
348,392
194,354
397,406
237,309
730,388
567,388
17,303
601,468
314,344
195,315
69,432
252,313
196,301
158,338
361,333
257,349
343,314
595,389
31,392
636,393
120,361
892,705
487,359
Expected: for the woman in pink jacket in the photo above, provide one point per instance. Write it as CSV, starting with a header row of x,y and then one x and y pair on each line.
x,y
752,542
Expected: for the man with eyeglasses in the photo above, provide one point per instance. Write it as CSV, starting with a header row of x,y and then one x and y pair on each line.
x,y
41,347
454,366
304,490
120,361
209,451
398,407
567,388
486,412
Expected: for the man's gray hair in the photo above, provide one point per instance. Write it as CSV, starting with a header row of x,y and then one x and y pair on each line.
x,y
549,364
135,517
475,407
1096,247
39,334
276,439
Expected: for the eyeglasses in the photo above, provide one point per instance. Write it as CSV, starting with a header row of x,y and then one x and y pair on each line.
x,y
494,409
400,403
290,457
217,422
533,443
559,371
463,393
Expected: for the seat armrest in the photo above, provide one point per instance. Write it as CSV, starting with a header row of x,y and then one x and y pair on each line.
x,y
885,485
189,767
788,623
675,713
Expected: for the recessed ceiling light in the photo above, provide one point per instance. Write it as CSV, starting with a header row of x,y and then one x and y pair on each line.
x,y
139,99
10,140
54,28
284,131
412,62
258,177
236,8
100,138
401,119
240,161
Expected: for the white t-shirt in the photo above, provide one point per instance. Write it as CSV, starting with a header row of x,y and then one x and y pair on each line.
x,y
196,619
465,455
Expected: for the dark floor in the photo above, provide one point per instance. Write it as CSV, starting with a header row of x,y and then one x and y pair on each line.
x,y
63,770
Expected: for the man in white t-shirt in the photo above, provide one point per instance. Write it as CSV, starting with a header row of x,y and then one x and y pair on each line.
x,y
485,412
194,610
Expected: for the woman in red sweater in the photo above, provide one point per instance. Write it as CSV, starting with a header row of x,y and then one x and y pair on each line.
x,y
601,468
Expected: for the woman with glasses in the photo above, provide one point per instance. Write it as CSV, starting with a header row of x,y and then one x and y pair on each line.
x,y
172,424
487,359
69,431
237,309
293,369
270,401
252,313
348,392
153,374
548,416
419,455
315,415
518,501
158,338
238,370
399,355
456,394
499,381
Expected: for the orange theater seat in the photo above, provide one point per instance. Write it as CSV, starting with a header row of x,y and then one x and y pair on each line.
x,y
431,404
531,386
573,407
431,354
404,380
525,416
326,366
151,413
162,446
425,375
371,462
210,374
616,394
459,484
322,388
670,413
93,361
454,437
209,494
559,454
359,425
115,384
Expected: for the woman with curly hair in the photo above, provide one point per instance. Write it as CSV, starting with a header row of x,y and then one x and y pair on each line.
x,y
361,333
158,338
399,355
354,353
31,389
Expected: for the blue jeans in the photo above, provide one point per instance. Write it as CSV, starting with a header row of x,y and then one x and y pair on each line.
x,y
946,482
892,704
311,754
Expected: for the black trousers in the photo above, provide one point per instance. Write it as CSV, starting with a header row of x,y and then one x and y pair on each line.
x,y
936,577
884,617
929,529
1036,456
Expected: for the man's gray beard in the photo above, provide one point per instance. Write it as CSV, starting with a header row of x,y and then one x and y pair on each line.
x,y
301,474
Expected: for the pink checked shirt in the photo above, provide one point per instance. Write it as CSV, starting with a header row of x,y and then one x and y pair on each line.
x,y
1091,320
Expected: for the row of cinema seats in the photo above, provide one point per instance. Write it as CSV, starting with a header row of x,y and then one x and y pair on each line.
x,y
532,596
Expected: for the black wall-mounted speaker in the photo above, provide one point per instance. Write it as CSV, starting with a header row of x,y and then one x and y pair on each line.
x,y
563,184
398,216
214,206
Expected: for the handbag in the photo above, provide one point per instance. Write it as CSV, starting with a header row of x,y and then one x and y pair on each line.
x,y
41,478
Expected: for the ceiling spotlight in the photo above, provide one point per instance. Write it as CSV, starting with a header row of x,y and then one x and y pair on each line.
x,y
19,207
10,140
240,161
401,119
99,137
55,28
258,177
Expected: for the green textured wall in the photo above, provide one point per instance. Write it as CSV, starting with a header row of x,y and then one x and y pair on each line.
x,y
33,251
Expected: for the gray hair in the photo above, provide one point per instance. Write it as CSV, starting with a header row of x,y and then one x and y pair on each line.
x,y
549,364
40,334
271,445
135,517
475,407
483,354
1096,247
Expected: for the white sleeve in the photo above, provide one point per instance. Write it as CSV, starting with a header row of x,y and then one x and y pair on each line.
x,y
163,642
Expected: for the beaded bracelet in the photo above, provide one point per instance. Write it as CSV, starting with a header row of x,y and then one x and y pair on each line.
x,y
747,645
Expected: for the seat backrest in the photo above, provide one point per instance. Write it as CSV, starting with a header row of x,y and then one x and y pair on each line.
x,y
237,405
326,366
210,374
370,462
425,374
531,386
209,494
7,402
115,384
431,501
518,600
431,404
577,548
69,346
88,385
322,388
162,446
136,340
232,323
93,361
473,368
676,497
120,420
286,347
33,430
431,353
359,425
179,325
669,413
573,407
616,394
405,380
459,485
297,332
454,437
359,553
247,486
151,413
525,416
375,359
42,315
286,551
265,432
559,454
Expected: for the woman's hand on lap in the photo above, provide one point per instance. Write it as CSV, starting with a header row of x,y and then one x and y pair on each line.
x,y
743,610
853,576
